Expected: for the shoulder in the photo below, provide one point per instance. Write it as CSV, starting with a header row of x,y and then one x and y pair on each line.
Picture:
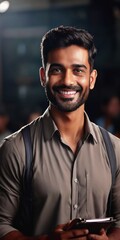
x,y
16,139
15,143
11,142
116,145
114,140
12,149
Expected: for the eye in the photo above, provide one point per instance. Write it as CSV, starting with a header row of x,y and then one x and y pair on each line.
x,y
55,70
78,71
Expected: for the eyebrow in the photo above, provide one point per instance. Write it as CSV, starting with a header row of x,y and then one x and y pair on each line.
x,y
79,66
55,65
73,65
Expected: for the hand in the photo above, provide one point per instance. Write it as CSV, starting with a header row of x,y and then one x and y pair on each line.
x,y
61,234
101,236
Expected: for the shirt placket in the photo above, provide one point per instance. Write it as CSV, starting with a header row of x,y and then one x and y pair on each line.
x,y
74,191
74,185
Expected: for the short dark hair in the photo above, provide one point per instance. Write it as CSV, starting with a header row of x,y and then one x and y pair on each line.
x,y
64,36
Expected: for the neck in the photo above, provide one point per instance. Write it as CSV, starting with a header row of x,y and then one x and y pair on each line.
x,y
70,125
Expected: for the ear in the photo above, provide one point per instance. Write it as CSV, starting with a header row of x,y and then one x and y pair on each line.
x,y
93,77
42,76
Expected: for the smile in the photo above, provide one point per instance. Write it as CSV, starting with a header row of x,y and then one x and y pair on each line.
x,y
67,92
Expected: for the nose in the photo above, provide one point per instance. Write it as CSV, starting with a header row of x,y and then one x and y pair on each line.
x,y
68,77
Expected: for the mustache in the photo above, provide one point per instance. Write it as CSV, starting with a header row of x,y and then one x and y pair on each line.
x,y
70,87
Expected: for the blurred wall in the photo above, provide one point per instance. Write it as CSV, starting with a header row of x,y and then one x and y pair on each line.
x,y
21,30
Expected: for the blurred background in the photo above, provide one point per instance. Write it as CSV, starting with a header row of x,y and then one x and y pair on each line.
x,y
22,25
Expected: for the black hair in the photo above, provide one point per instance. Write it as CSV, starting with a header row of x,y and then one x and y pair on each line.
x,y
66,36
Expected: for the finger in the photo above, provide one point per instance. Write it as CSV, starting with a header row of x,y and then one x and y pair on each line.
x,y
71,224
67,226
95,237
102,231
60,227
79,238
98,236
75,233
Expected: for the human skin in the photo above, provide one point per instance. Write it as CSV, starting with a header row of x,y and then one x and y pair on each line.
x,y
68,69
71,68
68,76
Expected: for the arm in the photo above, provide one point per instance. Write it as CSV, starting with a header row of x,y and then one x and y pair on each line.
x,y
16,235
57,234
11,165
114,233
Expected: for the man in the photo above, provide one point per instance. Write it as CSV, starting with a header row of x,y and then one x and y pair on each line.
x,y
71,172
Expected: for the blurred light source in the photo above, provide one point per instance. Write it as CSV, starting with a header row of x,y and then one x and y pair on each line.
x,y
4,5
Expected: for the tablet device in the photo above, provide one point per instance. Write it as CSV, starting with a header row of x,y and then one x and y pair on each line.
x,y
93,225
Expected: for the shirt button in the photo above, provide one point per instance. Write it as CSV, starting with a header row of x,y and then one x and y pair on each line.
x,y
75,206
76,180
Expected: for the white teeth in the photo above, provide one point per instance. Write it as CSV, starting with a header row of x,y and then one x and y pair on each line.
x,y
68,92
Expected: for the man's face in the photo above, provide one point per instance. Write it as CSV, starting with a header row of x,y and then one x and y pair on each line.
x,y
67,78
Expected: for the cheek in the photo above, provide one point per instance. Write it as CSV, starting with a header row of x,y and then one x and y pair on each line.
x,y
49,85
54,80
84,82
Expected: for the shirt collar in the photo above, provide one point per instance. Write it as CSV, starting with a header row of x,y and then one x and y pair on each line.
x,y
89,129
50,127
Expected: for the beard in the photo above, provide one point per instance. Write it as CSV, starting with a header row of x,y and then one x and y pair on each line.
x,y
67,104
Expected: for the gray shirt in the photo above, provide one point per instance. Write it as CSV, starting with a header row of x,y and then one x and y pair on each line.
x,y
64,185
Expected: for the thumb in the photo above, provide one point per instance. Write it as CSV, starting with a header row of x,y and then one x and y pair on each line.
x,y
102,231
60,227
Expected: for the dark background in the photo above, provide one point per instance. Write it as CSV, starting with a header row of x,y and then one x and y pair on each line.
x,y
21,30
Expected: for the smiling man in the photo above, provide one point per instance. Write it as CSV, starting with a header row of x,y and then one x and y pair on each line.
x,y
71,171
68,72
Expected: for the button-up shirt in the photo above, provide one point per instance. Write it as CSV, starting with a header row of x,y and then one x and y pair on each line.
x,y
65,185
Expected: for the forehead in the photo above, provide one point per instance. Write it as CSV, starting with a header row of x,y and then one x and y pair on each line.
x,y
69,55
